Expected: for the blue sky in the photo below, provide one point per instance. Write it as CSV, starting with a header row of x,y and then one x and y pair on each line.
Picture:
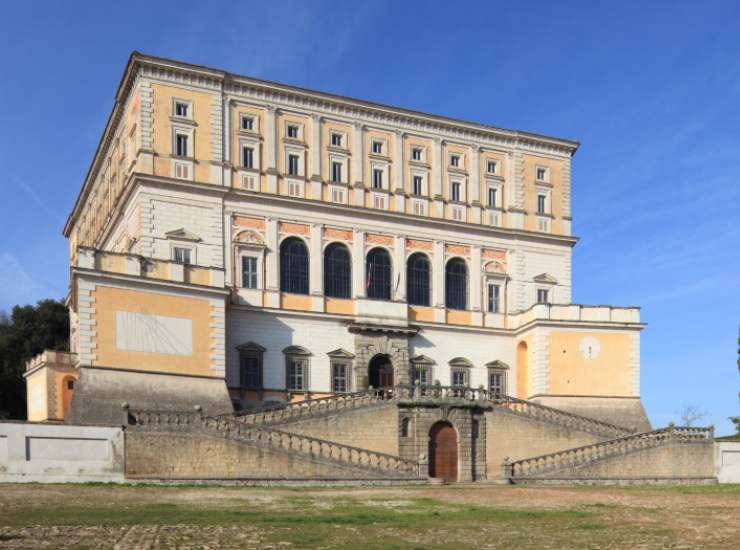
x,y
651,89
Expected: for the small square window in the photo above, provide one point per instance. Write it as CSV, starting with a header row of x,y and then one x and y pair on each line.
x,y
491,166
378,147
541,174
247,123
417,153
70,384
181,255
293,131
182,109
455,160
336,139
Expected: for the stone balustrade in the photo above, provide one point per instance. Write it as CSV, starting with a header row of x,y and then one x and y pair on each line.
x,y
312,447
540,465
575,312
150,268
49,357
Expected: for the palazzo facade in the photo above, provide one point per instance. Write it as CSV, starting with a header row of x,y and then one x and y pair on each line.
x,y
238,241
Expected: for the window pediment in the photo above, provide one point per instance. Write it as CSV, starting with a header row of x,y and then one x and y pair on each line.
x,y
422,360
497,364
250,346
182,235
545,278
340,353
460,362
296,350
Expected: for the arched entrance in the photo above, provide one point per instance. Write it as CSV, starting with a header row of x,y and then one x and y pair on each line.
x,y
380,372
443,451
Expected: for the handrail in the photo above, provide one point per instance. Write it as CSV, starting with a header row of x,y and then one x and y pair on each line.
x,y
579,455
309,407
311,446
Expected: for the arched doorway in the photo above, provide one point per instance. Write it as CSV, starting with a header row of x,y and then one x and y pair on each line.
x,y
380,372
443,451
522,371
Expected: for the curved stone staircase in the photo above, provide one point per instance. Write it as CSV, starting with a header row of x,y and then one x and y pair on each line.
x,y
551,465
336,404
371,462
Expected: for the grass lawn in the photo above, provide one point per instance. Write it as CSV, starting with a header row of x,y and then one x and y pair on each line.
x,y
464,516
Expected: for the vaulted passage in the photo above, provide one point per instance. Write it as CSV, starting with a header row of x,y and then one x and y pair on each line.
x,y
380,372
443,451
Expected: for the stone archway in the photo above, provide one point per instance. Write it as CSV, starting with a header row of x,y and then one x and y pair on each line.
x,y
443,450
380,371
392,343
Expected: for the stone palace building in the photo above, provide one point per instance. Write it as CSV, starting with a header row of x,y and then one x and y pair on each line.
x,y
238,242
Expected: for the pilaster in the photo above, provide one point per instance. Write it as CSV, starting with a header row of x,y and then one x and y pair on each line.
x,y
316,267
272,261
316,179
358,265
272,133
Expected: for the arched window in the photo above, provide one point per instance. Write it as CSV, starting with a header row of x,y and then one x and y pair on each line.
x,y
293,266
337,271
417,279
456,284
378,274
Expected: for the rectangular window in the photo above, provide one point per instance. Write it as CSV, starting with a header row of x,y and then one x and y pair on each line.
x,y
497,383
543,296
249,272
293,164
339,377
459,377
494,292
491,196
455,191
379,201
336,140
541,204
378,147
181,145
336,171
181,255
541,174
251,372
247,123
418,185
337,195
378,178
296,373
422,375
292,131
455,160
491,167
181,109
247,157
416,153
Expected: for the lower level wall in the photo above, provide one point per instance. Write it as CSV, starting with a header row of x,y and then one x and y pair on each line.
x,y
680,461
727,458
515,437
59,453
198,455
627,412
374,428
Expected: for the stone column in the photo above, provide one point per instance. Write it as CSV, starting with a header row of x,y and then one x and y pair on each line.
x,y
272,262
358,265
316,266
272,138
316,151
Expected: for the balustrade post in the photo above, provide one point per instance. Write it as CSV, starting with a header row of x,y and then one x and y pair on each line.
x,y
507,468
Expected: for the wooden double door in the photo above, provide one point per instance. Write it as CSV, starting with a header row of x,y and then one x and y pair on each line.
x,y
443,452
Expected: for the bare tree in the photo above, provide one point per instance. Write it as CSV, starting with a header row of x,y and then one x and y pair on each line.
x,y
690,415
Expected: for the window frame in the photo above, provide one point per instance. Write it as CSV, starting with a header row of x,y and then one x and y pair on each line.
x,y
297,282
463,285
336,286
489,163
418,290
493,303
250,350
384,289
175,247
335,365
417,149
255,276
253,124
177,101
546,292
295,355
378,144
289,127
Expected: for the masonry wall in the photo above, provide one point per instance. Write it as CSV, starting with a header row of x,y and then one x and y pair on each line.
x,y
516,437
374,428
674,460
197,455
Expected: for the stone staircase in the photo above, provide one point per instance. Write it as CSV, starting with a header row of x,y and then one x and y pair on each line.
x,y
379,465
335,404
551,465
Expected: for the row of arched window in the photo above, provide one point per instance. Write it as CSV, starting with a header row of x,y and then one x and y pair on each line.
x,y
294,274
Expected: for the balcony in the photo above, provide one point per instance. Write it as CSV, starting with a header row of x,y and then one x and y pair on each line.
x,y
576,313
